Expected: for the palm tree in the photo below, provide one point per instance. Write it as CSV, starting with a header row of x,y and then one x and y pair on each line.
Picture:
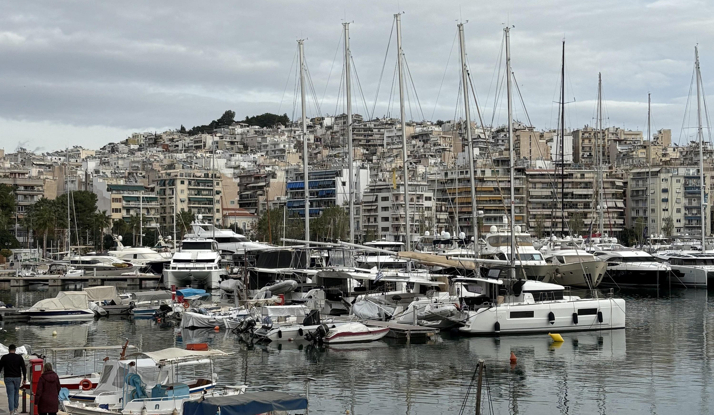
x,y
102,221
42,219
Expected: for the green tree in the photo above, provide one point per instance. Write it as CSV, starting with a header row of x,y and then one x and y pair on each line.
x,y
183,222
267,120
668,226
102,221
269,227
138,224
7,205
576,223
639,230
83,204
332,224
539,226
182,130
42,219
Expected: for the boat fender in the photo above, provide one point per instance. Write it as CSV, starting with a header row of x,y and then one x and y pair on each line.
x,y
599,317
575,318
551,318
300,331
280,334
132,304
497,327
85,384
557,338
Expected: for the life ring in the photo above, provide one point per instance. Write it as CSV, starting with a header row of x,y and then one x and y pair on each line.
x,y
85,384
185,305
281,300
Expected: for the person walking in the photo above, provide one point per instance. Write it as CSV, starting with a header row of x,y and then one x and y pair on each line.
x,y
15,371
48,389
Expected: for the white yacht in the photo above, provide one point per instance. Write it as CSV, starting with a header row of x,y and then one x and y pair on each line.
x,y
382,260
144,257
228,241
104,265
573,262
197,262
690,269
526,306
577,271
632,269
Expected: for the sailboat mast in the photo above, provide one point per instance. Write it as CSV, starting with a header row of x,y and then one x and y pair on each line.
x,y
700,135
175,204
469,140
400,56
69,220
649,160
562,144
600,157
511,153
306,179
141,216
213,184
348,98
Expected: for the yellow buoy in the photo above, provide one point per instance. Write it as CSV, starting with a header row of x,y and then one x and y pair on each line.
x,y
54,333
556,337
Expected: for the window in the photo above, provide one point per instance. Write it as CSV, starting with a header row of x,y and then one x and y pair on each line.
x,y
679,210
384,199
385,219
427,198
116,210
677,181
116,200
182,182
679,220
678,200
181,191
521,314
385,209
385,229
587,311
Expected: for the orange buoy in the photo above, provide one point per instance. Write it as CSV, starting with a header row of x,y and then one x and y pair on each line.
x,y
216,328
514,359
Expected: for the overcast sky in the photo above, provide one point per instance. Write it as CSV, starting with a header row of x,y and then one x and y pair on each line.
x,y
92,72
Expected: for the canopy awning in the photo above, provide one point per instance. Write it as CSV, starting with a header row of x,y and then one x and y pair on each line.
x,y
152,295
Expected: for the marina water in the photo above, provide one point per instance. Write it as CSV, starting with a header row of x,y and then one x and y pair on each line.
x,y
661,363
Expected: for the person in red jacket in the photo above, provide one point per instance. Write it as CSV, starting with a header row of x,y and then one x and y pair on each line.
x,y
48,389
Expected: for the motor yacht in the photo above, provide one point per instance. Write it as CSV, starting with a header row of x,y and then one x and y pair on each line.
x,y
228,241
632,269
146,258
197,263
102,265
690,269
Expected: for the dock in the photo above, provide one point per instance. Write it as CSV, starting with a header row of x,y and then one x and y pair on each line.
x,y
9,280
405,332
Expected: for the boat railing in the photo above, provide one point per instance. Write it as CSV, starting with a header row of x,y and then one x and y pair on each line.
x,y
193,266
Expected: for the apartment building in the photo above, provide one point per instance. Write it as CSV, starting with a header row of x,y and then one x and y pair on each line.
x,y
554,199
189,190
660,193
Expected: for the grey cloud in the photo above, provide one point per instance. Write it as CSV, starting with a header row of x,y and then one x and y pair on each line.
x,y
137,65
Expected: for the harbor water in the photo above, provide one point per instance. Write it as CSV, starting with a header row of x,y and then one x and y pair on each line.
x,y
661,363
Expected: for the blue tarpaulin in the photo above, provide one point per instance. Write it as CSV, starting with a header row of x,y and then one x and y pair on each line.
x,y
188,292
246,404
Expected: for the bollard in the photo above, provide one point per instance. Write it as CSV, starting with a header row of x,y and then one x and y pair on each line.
x,y
24,401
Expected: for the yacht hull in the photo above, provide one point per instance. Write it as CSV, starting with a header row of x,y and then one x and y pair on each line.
x,y
634,278
521,318
211,279
684,276
572,275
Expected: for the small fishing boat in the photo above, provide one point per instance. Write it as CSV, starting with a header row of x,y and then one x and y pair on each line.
x,y
67,306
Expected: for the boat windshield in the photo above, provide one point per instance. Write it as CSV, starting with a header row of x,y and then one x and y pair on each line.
x,y
197,246
505,240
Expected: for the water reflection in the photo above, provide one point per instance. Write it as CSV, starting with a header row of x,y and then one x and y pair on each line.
x,y
660,364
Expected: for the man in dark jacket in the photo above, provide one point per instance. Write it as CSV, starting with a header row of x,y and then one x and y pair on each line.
x,y
15,371
48,389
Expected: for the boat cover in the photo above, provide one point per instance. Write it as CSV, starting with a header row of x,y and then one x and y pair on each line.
x,y
285,311
174,353
189,292
65,300
104,293
246,404
198,320
152,295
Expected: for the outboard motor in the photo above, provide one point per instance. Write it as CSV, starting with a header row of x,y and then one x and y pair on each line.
x,y
248,324
318,335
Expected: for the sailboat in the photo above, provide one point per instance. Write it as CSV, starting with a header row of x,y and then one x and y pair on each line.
x,y
510,304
